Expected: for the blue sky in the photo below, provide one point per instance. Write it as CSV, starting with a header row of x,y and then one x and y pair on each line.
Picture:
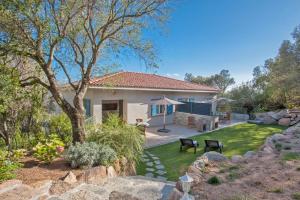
x,y
205,36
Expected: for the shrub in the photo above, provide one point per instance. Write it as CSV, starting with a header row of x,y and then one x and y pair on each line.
x,y
126,140
89,154
291,156
60,125
278,146
296,196
8,166
214,180
276,190
48,149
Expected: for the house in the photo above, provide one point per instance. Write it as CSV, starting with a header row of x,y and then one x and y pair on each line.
x,y
129,94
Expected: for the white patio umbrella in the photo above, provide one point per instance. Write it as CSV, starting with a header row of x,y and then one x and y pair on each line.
x,y
165,101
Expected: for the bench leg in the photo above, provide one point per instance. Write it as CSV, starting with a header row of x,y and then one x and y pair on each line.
x,y
180,147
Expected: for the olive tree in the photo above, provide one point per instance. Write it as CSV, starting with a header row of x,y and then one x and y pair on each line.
x,y
71,38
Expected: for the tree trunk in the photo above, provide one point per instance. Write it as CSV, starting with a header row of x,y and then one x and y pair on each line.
x,y
77,120
7,136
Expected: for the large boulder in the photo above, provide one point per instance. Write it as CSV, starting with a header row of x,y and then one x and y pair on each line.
x,y
60,187
278,115
175,195
215,156
269,120
95,175
69,178
111,172
284,121
201,162
249,154
237,158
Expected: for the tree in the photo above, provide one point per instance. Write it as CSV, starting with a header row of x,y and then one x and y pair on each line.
x,y
73,38
16,103
222,80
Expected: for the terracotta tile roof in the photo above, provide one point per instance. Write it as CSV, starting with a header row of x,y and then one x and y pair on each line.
x,y
150,81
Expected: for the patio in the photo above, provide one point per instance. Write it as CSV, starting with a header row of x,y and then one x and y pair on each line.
x,y
155,138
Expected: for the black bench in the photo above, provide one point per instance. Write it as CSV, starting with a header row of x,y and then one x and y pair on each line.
x,y
188,143
213,144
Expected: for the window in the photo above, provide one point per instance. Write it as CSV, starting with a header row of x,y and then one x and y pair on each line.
x,y
87,107
109,106
159,110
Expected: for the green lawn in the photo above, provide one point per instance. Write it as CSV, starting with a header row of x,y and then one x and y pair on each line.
x,y
237,140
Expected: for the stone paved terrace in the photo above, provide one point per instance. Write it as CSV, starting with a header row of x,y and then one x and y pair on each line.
x,y
154,138
137,187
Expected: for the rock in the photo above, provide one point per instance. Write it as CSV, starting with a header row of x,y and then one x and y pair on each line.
x,y
278,115
83,195
95,175
59,187
277,137
269,120
267,149
114,195
193,169
284,121
117,166
215,156
249,154
69,178
178,186
150,175
296,120
175,195
19,193
237,158
111,172
10,184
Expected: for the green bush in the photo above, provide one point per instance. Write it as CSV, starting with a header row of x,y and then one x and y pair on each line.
x,y
126,140
278,146
48,149
296,196
8,165
89,154
291,156
214,180
61,125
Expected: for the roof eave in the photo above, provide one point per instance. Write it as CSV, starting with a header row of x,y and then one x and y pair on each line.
x,y
154,89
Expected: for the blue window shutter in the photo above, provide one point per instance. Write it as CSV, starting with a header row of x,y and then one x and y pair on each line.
x,y
169,109
153,110
87,107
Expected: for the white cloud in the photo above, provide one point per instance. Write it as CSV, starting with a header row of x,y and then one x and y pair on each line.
x,y
175,75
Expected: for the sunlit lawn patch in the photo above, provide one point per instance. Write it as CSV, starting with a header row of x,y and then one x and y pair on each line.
x,y
237,140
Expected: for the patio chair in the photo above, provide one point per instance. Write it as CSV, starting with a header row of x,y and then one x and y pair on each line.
x,y
188,143
213,144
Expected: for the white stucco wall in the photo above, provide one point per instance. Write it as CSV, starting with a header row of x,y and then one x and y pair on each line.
x,y
136,104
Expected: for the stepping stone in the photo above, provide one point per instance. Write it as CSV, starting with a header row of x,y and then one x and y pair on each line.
x,y
161,178
144,156
145,160
155,158
149,175
149,164
160,167
150,169
160,172
151,155
157,162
